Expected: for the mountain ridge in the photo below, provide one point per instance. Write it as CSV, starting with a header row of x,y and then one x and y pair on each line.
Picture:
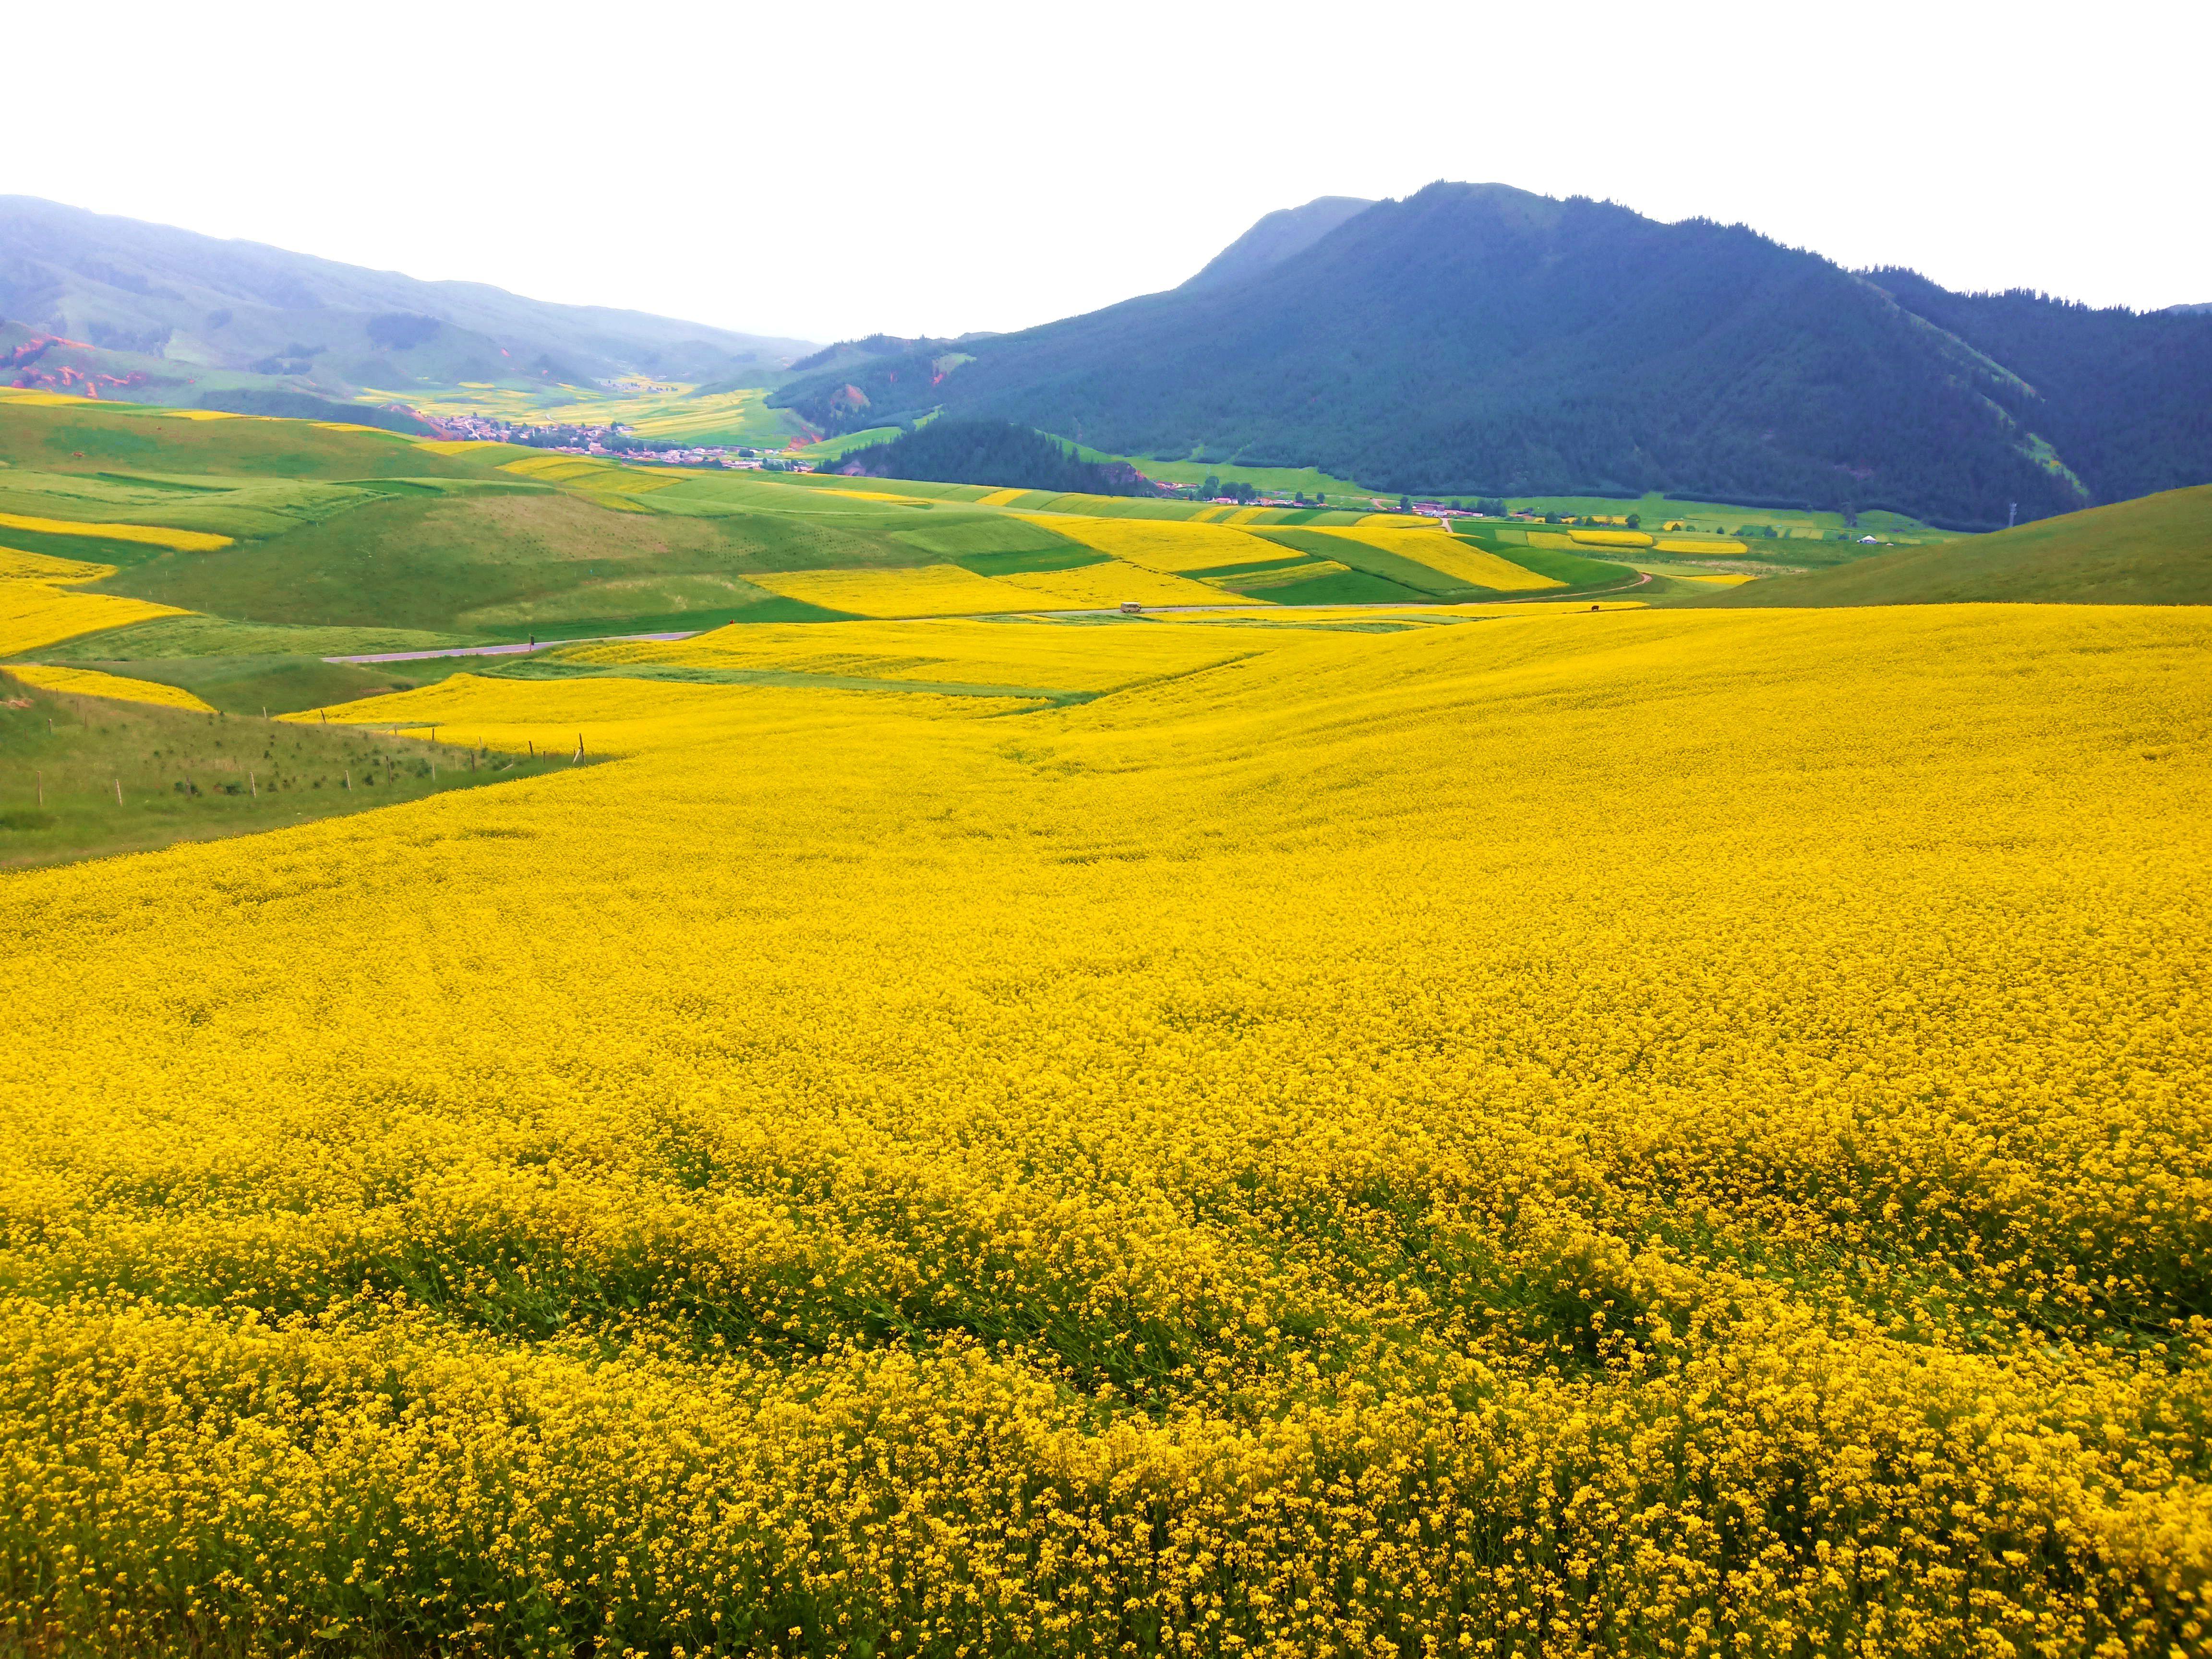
x,y
177,301
1477,339
1274,237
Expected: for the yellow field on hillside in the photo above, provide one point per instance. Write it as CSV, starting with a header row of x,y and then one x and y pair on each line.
x,y
1115,583
1451,555
1000,497
1290,577
456,446
33,614
1610,538
1033,657
930,590
90,682
182,541
1638,1132
1169,545
1720,545
17,565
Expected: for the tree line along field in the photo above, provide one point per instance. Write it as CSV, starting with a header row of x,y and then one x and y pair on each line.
x,y
1279,1131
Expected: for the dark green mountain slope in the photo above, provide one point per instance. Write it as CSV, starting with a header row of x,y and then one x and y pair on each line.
x,y
2156,550
1477,339
1275,237
174,305
2124,398
996,452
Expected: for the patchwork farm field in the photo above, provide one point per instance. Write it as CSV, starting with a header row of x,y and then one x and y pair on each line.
x,y
1518,1128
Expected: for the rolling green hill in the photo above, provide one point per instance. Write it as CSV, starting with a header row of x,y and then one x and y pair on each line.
x,y
2156,550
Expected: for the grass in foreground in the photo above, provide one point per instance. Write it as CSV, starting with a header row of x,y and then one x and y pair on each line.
x,y
85,777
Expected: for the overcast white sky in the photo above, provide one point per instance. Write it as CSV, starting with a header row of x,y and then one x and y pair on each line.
x,y
824,172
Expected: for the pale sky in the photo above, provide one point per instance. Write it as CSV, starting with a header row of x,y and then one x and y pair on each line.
x,y
826,171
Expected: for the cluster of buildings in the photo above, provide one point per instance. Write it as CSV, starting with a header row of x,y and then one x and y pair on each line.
x,y
615,442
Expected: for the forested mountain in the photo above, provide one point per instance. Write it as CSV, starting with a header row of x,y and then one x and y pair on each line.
x,y
2125,398
171,304
1478,339
990,453
1275,237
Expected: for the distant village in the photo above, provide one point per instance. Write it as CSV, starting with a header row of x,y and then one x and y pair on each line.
x,y
616,441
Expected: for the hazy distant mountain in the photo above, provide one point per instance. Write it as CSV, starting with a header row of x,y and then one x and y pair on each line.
x,y
1478,339
177,302
1276,236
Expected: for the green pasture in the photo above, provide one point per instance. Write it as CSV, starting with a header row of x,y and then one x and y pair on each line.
x,y
83,437
507,565
1274,480
215,636
374,542
1419,581
188,776
2156,549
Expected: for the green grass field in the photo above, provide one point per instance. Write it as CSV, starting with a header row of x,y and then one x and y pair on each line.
x,y
188,776
2154,551
1706,517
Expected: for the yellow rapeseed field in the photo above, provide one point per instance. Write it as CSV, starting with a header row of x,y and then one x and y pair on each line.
x,y
930,590
1169,545
1267,579
18,565
1112,583
1000,497
182,541
1454,555
90,682
1701,545
1610,538
39,613
1287,1158
1063,658
456,446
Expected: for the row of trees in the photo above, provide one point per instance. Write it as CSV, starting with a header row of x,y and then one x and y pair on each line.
x,y
984,451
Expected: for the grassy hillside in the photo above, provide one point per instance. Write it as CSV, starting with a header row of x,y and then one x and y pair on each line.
x,y
44,433
187,776
287,542
2157,551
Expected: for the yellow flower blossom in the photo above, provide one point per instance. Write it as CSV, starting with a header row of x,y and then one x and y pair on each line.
x,y
1287,1156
